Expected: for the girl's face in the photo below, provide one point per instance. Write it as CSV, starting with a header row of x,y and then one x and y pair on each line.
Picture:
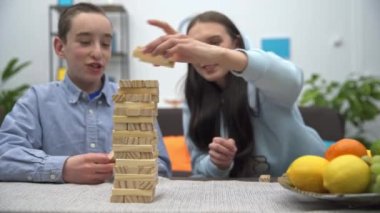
x,y
215,34
87,49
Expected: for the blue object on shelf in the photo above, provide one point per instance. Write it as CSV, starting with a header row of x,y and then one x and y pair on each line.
x,y
65,2
280,46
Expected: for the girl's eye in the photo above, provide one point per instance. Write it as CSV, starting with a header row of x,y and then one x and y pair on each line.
x,y
215,42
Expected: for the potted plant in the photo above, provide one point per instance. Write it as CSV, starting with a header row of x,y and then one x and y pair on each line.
x,y
357,99
8,97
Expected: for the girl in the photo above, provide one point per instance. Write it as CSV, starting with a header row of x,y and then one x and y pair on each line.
x,y
240,113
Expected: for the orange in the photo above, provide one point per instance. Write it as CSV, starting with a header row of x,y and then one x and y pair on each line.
x,y
345,146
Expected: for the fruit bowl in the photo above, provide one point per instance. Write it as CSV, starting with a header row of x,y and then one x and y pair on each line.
x,y
352,200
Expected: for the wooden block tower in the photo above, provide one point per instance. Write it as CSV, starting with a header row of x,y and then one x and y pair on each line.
x,y
134,142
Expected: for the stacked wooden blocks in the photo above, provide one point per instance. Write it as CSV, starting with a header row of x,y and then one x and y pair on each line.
x,y
135,142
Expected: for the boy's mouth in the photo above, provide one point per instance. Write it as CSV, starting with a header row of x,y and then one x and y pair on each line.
x,y
95,65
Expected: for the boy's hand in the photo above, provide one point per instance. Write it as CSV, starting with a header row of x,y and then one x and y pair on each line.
x,y
91,168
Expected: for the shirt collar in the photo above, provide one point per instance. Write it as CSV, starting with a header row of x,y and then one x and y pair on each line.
x,y
75,93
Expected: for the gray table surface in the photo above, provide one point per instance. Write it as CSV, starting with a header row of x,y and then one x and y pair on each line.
x,y
171,196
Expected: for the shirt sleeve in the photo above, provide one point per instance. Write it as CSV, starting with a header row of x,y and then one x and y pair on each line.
x,y
201,163
21,155
277,79
164,165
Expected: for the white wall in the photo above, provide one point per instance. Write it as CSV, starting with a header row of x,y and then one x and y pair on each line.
x,y
312,25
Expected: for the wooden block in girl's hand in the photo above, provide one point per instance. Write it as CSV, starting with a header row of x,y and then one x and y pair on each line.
x,y
156,60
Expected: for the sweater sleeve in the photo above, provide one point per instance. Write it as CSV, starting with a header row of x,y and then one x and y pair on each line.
x,y
21,155
277,79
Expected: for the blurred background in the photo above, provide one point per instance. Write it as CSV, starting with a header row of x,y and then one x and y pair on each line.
x,y
337,40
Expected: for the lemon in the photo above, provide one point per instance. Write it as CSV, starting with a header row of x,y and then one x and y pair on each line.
x,y
306,173
346,174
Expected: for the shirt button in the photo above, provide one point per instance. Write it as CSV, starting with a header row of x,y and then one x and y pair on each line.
x,y
92,145
90,111
52,176
29,177
100,102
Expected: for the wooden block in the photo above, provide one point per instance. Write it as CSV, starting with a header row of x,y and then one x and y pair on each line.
x,y
133,123
132,195
136,109
135,184
142,177
124,162
136,112
133,192
138,199
264,178
134,137
133,140
132,166
138,83
136,181
140,91
123,97
135,151
157,60
133,126
133,119
131,199
135,155
135,134
136,105
117,199
132,148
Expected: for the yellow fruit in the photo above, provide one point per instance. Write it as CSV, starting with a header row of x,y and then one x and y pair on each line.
x,y
306,173
346,174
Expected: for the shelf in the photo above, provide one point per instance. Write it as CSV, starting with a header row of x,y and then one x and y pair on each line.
x,y
119,54
106,7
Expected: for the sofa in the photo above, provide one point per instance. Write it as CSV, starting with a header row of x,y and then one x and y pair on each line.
x,y
327,122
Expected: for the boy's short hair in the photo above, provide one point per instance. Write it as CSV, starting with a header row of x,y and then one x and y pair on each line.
x,y
64,23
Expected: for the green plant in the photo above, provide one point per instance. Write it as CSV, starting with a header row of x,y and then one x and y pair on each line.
x,y
8,97
357,99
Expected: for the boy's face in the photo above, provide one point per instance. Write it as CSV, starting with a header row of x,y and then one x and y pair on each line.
x,y
87,49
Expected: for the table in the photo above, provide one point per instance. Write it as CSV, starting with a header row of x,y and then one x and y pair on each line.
x,y
171,196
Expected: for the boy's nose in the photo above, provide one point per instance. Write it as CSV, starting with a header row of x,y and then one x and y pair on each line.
x,y
96,51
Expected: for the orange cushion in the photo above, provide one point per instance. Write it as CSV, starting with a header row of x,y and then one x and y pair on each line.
x,y
178,153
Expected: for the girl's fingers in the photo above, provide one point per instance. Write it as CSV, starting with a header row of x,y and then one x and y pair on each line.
x,y
163,25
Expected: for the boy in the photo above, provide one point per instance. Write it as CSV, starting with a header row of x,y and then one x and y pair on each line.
x,y
61,131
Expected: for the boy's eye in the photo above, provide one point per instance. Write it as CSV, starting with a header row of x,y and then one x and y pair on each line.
x,y
106,44
85,42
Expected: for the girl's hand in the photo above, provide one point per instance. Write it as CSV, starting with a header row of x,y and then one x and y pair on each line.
x,y
181,48
162,25
222,152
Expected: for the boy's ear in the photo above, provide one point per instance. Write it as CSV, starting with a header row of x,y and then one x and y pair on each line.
x,y
59,47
